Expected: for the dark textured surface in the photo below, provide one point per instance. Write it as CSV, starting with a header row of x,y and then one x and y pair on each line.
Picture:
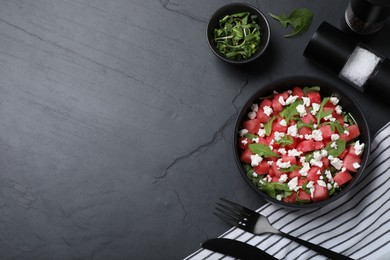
x,y
116,123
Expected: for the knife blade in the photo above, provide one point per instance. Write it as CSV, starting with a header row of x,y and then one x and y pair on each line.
x,y
236,249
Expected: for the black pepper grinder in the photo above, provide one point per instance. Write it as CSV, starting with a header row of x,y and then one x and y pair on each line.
x,y
367,16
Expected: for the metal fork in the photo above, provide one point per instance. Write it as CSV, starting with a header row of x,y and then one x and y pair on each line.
x,y
253,222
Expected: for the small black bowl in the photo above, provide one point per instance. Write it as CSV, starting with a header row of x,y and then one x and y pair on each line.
x,y
327,89
265,32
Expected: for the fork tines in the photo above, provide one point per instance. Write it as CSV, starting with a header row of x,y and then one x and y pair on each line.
x,y
232,213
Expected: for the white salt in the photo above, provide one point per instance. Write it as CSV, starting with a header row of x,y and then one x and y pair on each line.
x,y
359,67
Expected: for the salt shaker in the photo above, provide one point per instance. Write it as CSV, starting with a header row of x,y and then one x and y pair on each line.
x,y
350,60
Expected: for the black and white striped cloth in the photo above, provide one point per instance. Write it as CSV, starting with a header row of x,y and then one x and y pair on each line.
x,y
356,225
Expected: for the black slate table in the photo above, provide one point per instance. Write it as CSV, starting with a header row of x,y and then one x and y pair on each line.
x,y
116,123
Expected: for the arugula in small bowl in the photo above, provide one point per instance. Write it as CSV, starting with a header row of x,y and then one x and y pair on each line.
x,y
238,33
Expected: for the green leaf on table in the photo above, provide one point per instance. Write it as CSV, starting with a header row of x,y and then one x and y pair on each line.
x,y
290,111
262,150
268,126
299,19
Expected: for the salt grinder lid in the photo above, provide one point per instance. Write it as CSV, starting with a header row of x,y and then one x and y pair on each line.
x,y
379,84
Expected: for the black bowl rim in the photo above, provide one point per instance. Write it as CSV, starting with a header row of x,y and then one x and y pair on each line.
x,y
290,80
259,52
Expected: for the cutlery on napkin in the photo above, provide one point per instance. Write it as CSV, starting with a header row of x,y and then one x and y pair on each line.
x,y
356,225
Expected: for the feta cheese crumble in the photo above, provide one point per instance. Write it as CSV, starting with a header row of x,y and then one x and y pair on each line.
x,y
294,152
255,160
356,165
268,110
281,101
301,110
329,176
316,107
292,130
261,132
283,178
305,169
306,101
339,110
330,118
278,135
336,162
358,148
321,183
283,165
293,184
244,141
282,151
283,122
317,135
291,99
279,197
252,115
310,186
334,137
334,100
255,107
243,132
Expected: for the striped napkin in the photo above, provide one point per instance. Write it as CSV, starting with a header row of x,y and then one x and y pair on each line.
x,y
356,225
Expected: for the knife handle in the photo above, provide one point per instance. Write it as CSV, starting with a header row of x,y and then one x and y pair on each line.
x,y
324,251
236,249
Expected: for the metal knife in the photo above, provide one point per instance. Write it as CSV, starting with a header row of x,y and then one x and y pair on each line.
x,y
236,249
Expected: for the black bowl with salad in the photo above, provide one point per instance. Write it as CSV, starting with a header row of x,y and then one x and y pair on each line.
x,y
238,33
301,142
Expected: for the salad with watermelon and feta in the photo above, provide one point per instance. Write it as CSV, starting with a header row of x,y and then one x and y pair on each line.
x,y
299,147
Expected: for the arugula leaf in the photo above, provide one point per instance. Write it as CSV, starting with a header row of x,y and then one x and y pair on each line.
x,y
291,168
272,188
349,119
335,152
321,113
335,125
254,178
250,136
300,124
299,19
247,168
268,126
309,156
238,35
262,150
332,190
307,90
305,188
290,111
285,140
